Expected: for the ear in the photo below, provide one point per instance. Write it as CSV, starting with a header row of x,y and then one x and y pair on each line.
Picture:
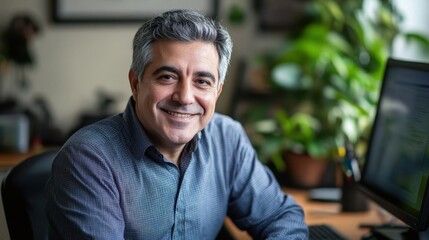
x,y
134,83
219,90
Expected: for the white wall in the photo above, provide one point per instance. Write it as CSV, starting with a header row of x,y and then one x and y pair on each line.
x,y
71,61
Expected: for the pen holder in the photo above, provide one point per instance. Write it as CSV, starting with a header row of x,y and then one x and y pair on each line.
x,y
352,199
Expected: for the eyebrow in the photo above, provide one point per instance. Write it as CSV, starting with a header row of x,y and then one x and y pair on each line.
x,y
166,68
177,71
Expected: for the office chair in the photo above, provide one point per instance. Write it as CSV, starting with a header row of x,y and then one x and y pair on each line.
x,y
23,197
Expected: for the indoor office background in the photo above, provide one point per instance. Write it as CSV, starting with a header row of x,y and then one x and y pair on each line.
x,y
80,69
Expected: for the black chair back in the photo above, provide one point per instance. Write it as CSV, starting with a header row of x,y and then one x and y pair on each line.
x,y
23,197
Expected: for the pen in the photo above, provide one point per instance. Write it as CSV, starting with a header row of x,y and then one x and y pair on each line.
x,y
350,161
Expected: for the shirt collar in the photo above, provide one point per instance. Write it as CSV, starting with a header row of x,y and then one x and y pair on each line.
x,y
139,141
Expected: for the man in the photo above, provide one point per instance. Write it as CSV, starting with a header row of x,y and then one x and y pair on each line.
x,y
168,167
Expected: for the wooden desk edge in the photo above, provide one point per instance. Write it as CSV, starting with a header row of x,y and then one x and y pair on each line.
x,y
9,160
322,213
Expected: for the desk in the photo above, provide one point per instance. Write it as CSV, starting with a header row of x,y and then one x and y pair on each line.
x,y
324,213
8,160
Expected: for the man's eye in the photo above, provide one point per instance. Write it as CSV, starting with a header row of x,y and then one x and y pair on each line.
x,y
203,82
167,77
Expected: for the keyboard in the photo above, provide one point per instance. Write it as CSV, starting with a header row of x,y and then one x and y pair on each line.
x,y
324,232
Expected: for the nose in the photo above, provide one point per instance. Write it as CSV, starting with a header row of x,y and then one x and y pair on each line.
x,y
183,93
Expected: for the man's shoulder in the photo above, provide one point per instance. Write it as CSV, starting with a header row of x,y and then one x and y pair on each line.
x,y
223,120
223,124
105,130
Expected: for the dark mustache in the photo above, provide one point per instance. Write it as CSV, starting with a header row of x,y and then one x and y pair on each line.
x,y
175,106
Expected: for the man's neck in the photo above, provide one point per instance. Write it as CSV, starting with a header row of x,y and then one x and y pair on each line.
x,y
172,153
173,157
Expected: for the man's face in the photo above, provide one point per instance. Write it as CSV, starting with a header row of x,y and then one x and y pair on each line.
x,y
177,94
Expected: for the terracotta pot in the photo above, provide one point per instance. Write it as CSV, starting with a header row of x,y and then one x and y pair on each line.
x,y
304,171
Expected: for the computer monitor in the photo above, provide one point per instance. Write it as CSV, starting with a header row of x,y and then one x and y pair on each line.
x,y
396,166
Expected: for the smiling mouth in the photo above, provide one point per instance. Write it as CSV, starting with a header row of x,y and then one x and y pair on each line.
x,y
179,115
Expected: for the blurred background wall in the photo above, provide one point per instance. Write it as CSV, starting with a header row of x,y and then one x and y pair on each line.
x,y
75,61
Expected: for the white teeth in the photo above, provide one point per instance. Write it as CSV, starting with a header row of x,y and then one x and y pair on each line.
x,y
181,115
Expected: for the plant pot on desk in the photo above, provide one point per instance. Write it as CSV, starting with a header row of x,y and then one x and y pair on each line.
x,y
303,171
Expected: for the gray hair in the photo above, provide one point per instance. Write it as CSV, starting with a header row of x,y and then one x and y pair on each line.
x,y
180,25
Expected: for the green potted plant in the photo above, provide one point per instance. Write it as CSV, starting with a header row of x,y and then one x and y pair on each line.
x,y
330,71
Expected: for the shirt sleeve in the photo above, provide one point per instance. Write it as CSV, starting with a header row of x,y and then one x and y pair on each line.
x,y
257,203
82,199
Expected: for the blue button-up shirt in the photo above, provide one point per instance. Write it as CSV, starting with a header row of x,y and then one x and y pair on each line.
x,y
110,182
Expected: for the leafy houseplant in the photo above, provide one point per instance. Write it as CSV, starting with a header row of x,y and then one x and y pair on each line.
x,y
331,72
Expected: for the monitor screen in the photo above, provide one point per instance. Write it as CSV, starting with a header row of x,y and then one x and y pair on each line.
x,y
396,168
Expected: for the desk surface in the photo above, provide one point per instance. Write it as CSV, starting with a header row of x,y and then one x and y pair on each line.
x,y
326,213
8,160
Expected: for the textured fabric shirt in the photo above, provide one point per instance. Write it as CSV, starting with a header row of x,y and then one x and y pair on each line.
x,y
109,182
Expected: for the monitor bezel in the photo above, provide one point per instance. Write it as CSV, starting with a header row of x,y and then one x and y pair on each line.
x,y
379,196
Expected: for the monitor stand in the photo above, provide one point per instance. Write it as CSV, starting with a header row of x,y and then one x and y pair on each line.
x,y
397,233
